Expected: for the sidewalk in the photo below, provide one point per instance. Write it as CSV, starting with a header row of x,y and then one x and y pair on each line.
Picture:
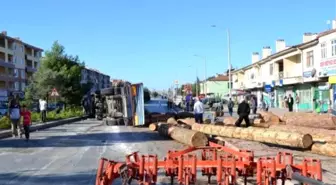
x,y
39,126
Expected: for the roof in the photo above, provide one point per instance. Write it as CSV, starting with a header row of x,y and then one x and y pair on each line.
x,y
18,40
219,78
326,33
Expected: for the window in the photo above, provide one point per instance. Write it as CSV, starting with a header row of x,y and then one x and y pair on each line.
x,y
271,69
333,47
16,86
310,59
16,73
23,86
23,74
324,50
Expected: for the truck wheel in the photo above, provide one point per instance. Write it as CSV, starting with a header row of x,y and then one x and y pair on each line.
x,y
111,122
120,121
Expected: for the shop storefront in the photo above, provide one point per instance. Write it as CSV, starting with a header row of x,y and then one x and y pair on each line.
x,y
322,97
304,91
332,82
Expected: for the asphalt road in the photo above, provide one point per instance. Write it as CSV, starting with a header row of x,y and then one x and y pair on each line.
x,y
69,154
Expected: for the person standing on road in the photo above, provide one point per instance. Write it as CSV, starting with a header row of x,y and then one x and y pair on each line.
x,y
230,106
290,102
14,116
26,114
43,109
243,112
198,111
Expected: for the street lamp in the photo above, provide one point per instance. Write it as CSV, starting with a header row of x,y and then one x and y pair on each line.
x,y
205,74
229,58
196,79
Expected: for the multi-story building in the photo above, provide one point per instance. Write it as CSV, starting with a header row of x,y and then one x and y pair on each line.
x,y
98,79
301,70
18,62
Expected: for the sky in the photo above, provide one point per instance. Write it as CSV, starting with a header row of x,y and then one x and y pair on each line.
x,y
154,41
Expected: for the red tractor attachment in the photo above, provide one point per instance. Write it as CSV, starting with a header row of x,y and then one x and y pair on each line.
x,y
224,163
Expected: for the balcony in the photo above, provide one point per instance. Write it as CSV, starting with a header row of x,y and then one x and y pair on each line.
x,y
30,69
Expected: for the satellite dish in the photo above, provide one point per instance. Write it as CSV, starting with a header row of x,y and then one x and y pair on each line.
x,y
313,72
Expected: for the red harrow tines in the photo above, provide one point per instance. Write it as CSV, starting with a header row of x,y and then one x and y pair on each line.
x,y
216,160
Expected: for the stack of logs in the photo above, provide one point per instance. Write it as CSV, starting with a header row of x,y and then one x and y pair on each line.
x,y
299,130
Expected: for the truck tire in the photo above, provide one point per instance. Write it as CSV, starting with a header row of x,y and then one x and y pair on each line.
x,y
120,121
107,91
110,122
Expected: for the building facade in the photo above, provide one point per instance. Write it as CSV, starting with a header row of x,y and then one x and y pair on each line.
x,y
98,79
218,85
18,62
302,70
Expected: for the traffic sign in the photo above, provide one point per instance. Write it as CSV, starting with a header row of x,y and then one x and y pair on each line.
x,y
54,92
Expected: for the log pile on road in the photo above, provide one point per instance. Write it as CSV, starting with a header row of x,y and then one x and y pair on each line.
x,y
308,131
282,138
325,121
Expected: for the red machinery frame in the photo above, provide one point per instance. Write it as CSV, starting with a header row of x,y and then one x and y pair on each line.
x,y
216,160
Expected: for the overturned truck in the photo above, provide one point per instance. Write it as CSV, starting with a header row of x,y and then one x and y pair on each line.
x,y
121,104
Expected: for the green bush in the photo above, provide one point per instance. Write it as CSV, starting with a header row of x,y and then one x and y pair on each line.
x,y
5,123
51,116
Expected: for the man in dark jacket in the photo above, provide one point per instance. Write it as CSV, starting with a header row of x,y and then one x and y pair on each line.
x,y
290,103
243,112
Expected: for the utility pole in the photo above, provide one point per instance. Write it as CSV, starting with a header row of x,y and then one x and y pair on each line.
x,y
229,62
196,82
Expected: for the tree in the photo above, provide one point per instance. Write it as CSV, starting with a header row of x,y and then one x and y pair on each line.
x,y
61,71
147,94
155,94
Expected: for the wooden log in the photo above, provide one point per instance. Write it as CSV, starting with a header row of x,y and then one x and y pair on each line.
x,y
189,137
258,121
291,114
269,117
318,134
188,121
165,129
328,149
227,143
171,120
325,121
258,134
153,126
230,121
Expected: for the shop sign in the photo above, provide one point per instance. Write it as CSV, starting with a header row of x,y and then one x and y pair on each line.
x,y
307,74
323,86
268,88
328,67
332,79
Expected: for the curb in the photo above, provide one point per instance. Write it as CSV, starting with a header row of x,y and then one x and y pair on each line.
x,y
42,126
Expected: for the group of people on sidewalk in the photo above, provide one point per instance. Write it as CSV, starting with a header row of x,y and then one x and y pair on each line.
x,y
18,113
